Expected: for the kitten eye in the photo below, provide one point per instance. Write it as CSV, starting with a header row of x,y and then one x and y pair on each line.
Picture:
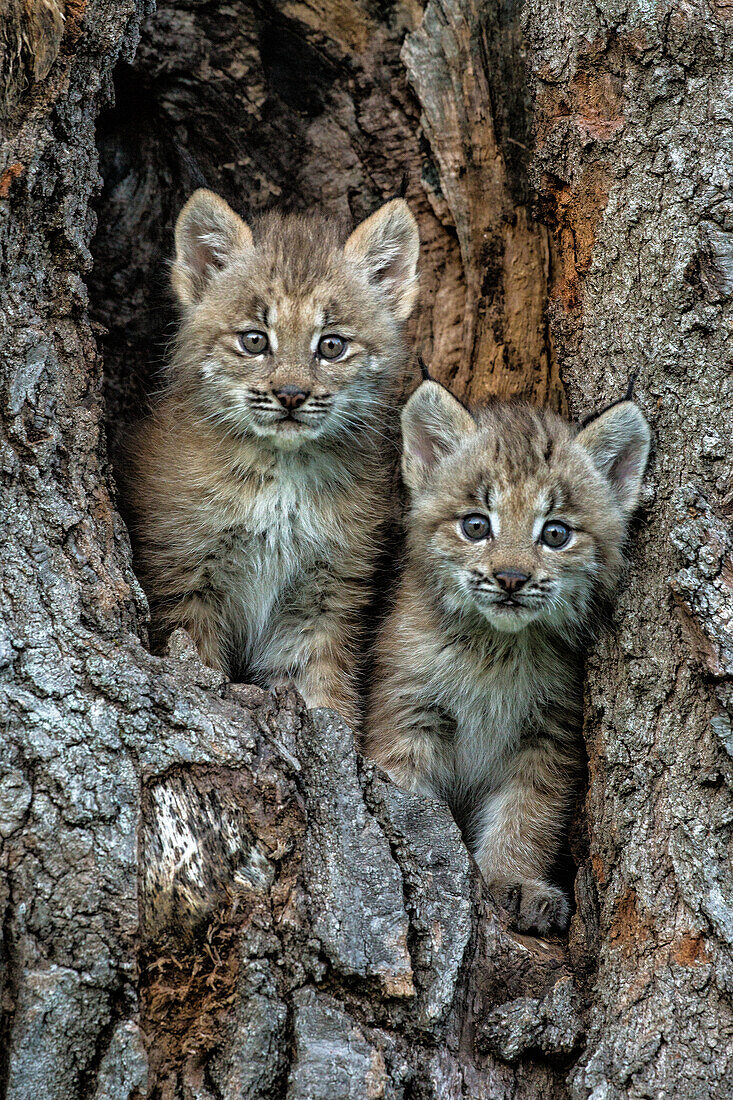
x,y
555,534
253,342
476,527
331,347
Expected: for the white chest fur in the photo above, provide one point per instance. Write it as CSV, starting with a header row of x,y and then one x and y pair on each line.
x,y
489,707
493,706
269,539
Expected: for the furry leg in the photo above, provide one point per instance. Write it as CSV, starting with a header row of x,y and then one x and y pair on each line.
x,y
519,828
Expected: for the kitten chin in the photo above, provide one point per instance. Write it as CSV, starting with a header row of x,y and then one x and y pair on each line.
x,y
480,706
509,621
289,436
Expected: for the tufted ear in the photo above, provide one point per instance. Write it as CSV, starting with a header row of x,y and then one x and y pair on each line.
x,y
387,246
208,234
618,442
433,424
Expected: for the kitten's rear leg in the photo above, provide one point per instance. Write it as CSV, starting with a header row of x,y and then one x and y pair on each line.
x,y
199,617
322,682
325,675
328,678
316,645
520,826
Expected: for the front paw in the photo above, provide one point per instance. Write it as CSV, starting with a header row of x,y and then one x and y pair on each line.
x,y
533,906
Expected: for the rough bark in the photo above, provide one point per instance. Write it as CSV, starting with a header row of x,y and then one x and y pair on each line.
x,y
205,892
634,125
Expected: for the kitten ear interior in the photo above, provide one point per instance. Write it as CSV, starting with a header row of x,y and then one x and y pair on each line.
x,y
618,442
208,233
433,424
387,246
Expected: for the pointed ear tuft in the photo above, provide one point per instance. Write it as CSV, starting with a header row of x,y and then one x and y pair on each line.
x,y
387,246
208,233
433,424
618,442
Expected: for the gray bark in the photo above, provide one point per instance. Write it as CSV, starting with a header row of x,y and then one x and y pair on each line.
x,y
206,892
634,122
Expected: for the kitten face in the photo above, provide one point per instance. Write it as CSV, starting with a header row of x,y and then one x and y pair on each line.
x,y
290,334
513,574
517,517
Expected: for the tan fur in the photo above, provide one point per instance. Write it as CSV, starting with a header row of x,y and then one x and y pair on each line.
x,y
257,531
475,699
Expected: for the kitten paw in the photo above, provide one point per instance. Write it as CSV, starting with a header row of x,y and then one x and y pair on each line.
x,y
508,896
534,906
544,909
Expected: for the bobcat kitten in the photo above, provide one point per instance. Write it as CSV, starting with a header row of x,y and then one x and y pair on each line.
x,y
516,530
261,482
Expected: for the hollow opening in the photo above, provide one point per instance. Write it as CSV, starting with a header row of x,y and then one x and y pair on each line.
x,y
266,108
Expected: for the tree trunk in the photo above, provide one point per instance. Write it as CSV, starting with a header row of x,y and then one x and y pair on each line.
x,y
206,893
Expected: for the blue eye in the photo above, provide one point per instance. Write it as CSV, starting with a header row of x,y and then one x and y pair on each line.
x,y
555,534
475,526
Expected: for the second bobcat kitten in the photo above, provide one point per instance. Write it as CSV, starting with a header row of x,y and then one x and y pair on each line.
x,y
517,526
261,482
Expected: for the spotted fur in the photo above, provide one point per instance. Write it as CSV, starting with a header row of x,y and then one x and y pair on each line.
x,y
477,691
257,529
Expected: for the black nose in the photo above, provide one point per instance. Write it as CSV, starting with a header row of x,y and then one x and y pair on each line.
x,y
291,397
510,580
